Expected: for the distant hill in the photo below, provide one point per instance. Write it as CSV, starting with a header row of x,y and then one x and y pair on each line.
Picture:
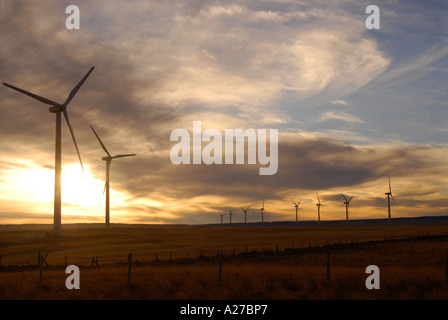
x,y
426,220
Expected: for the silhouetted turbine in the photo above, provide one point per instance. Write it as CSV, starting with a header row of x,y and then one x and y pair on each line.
x,y
262,211
221,214
347,204
318,208
296,205
108,160
389,195
58,108
230,215
245,213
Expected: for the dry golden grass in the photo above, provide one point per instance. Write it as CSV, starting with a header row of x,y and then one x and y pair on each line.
x,y
410,269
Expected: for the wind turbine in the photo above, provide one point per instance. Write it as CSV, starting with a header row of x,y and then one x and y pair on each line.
x,y
58,108
221,214
262,211
297,208
245,213
108,160
318,208
347,204
389,195
230,215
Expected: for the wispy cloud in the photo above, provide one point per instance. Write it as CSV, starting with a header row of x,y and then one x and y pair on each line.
x,y
342,116
342,102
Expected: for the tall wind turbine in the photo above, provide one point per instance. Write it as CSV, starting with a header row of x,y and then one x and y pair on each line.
x,y
318,208
230,215
221,214
108,160
347,204
262,211
389,195
245,213
297,209
58,108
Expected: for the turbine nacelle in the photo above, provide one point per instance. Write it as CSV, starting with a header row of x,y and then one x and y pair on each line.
x,y
56,109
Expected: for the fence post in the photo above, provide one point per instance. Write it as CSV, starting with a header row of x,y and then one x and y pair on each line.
x,y
220,267
40,269
446,268
129,268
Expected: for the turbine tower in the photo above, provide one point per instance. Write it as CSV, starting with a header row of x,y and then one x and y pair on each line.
x,y
347,204
221,214
318,208
296,205
245,213
262,211
58,108
389,195
108,160
230,215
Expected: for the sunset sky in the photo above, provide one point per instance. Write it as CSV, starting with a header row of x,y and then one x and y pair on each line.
x,y
351,106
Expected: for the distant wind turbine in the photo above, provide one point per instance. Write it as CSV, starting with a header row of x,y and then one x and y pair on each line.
x,y
58,108
221,214
262,211
389,195
108,160
347,204
296,205
318,208
245,213
230,215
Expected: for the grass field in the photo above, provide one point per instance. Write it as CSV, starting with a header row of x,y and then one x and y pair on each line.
x,y
260,262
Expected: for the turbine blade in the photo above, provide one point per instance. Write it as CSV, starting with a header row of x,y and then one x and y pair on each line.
x,y
295,204
299,202
344,197
350,199
390,188
105,184
123,155
248,208
101,143
75,89
34,96
74,139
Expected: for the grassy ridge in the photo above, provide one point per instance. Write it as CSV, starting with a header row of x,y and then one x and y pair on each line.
x,y
20,246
